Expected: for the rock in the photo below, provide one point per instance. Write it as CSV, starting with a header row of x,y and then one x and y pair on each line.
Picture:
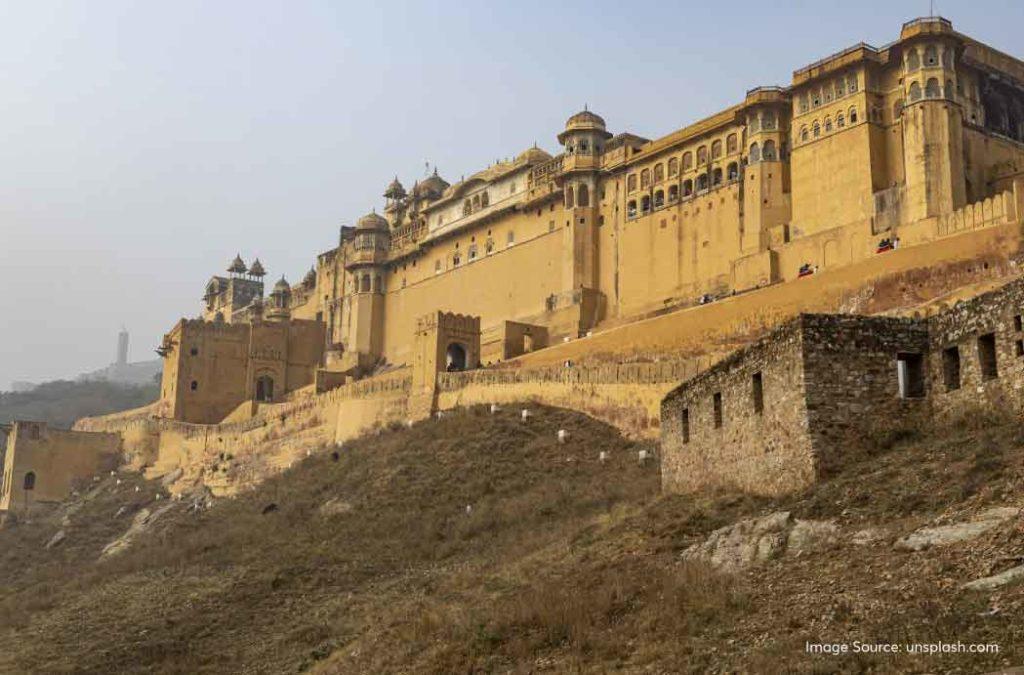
x,y
56,539
808,536
170,479
142,522
757,540
335,507
944,535
995,581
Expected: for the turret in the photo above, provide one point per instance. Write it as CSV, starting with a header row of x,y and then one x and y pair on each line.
x,y
279,307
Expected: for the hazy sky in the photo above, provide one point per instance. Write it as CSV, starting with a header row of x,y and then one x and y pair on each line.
x,y
143,144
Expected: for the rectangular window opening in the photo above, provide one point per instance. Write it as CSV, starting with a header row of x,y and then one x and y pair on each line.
x,y
910,373
987,356
1020,347
757,390
951,367
717,400
1018,323
686,425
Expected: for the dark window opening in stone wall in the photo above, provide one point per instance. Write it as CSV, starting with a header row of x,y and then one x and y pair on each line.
x,y
910,374
686,425
987,356
194,385
1020,347
717,401
1018,323
757,390
951,367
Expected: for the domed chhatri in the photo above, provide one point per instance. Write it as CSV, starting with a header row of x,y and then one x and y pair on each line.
x,y
372,221
433,186
533,155
256,269
585,120
237,265
309,281
395,190
281,287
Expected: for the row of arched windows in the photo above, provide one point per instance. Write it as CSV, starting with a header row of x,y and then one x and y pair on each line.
x,y
766,121
365,284
684,190
767,152
580,196
930,58
829,92
649,177
475,203
932,89
816,128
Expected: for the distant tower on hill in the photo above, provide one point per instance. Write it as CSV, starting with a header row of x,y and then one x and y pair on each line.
x,y
122,347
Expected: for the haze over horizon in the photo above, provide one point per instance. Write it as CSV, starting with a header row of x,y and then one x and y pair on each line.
x,y
145,145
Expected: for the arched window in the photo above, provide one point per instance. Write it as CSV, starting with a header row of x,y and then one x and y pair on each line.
x,y
645,179
931,56
804,134
768,151
851,82
437,267
687,187
805,103
931,90
631,209
583,195
755,124
732,172
378,284
489,246
768,120
659,172
816,129
840,86
852,114
476,202
364,284
484,200
702,182
947,58
29,482
827,96
755,152
716,177
645,204
828,125
840,120
915,92
265,389
897,109
716,149
913,60
950,93
673,193
467,208
815,98
730,144
472,252
456,259
659,199
673,167
702,155
569,203
687,161
631,183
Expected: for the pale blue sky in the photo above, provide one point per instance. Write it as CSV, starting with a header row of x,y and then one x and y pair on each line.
x,y
143,144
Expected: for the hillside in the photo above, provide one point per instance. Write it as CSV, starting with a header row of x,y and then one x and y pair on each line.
x,y
62,402
478,543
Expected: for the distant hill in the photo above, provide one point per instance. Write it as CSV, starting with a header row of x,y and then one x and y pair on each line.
x,y
139,373
62,402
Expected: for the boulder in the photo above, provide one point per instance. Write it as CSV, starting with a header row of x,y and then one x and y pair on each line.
x,y
756,540
944,535
997,580
56,539
334,507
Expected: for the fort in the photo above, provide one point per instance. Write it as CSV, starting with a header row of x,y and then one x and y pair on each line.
x,y
601,277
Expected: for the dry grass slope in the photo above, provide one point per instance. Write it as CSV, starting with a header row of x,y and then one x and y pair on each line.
x,y
371,562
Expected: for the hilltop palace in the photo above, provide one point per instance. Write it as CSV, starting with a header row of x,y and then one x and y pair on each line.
x,y
635,262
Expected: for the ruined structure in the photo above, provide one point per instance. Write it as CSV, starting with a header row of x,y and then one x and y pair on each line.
x,y
780,414
43,465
